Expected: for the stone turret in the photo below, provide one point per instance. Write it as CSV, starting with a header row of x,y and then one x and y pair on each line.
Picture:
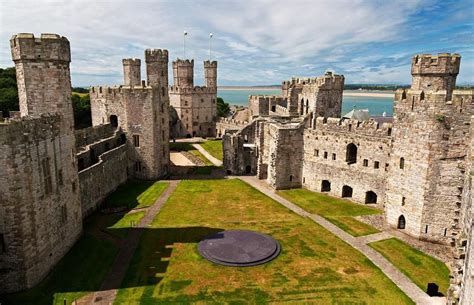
x,y
157,67
43,76
210,74
183,73
131,72
435,72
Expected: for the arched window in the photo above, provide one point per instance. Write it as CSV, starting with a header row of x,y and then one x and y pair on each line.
x,y
113,121
325,186
401,222
351,153
370,197
346,191
402,163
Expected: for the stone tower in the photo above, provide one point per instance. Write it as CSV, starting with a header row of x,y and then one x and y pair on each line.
x,y
157,67
435,72
210,74
427,165
40,208
131,72
183,73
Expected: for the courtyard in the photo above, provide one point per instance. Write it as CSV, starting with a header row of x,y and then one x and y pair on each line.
x,y
315,265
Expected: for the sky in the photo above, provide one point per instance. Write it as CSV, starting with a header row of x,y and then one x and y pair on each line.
x,y
256,42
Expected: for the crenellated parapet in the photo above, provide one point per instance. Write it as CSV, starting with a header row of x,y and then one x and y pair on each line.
x,y
50,47
411,99
30,129
366,128
193,90
428,64
156,55
98,92
327,81
210,64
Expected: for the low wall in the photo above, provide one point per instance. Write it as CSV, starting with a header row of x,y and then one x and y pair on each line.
x,y
102,178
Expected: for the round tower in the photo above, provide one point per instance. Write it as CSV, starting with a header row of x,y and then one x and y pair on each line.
x,y
156,67
131,72
183,73
435,72
210,73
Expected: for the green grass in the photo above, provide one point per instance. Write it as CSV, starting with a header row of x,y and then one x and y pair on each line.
x,y
80,271
418,266
314,266
124,223
188,147
338,211
213,147
136,194
80,94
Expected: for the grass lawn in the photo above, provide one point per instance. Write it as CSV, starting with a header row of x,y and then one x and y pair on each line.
x,y
80,271
136,194
80,94
338,211
419,267
214,147
124,223
184,146
314,266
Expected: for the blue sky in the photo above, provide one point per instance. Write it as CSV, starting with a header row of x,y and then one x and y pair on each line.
x,y
256,42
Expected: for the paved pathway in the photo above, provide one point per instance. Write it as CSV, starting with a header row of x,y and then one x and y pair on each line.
x,y
179,159
403,282
117,272
213,160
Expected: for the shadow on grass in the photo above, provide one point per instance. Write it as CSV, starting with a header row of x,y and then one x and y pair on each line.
x,y
87,264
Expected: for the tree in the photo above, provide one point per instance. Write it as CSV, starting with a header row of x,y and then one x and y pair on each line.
x,y
8,91
82,111
223,108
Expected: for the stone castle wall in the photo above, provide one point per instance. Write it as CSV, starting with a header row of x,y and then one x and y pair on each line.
x,y
40,211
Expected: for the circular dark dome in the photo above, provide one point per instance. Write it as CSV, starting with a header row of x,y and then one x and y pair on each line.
x,y
239,248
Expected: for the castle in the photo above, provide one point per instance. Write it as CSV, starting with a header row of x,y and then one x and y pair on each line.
x,y
417,167
195,107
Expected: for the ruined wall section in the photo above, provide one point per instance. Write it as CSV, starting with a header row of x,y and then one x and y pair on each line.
x,y
225,124
261,105
89,135
325,158
40,211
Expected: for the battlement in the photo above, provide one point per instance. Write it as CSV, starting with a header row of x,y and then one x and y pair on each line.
x,y
195,89
131,61
30,129
443,63
26,46
461,99
366,128
232,121
152,55
112,91
327,81
210,64
183,63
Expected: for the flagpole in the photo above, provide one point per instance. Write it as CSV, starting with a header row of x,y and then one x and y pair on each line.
x,y
210,46
184,44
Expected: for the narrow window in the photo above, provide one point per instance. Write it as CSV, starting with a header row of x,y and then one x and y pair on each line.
x,y
164,153
351,153
162,108
376,164
163,91
334,156
366,162
403,201
136,140
426,229
325,155
63,214
401,222
445,231
74,187
138,166
316,152
48,187
3,246
162,135
389,131
291,178
402,163
60,177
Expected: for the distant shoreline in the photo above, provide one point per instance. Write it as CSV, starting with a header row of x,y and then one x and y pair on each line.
x,y
360,93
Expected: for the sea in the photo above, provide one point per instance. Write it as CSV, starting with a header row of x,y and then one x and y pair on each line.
x,y
376,105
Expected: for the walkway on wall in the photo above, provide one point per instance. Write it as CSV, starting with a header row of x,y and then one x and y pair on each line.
x,y
209,157
359,243
117,272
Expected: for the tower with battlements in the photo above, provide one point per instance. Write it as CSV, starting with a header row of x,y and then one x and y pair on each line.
x,y
427,163
141,110
195,106
40,208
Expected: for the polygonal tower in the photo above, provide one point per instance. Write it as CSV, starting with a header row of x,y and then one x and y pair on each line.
x,y
435,72
156,67
431,120
131,72
210,74
183,73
